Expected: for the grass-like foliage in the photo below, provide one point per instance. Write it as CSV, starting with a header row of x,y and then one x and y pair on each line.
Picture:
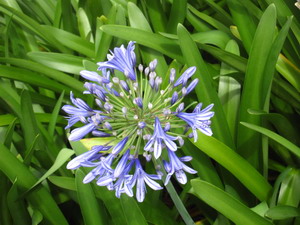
x,y
247,57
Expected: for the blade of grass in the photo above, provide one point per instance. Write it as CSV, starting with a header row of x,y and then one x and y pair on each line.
x,y
55,113
51,73
151,40
244,21
90,209
31,78
226,204
177,15
138,20
204,91
281,140
17,207
63,62
235,164
40,198
252,89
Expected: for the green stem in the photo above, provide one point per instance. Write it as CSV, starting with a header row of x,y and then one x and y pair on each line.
x,y
175,198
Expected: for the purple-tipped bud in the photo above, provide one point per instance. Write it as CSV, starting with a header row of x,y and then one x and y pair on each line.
x,y
147,137
124,110
185,76
98,102
124,85
151,82
192,86
181,141
100,95
142,124
172,75
115,80
93,76
118,148
147,70
157,83
167,127
138,101
191,135
107,125
99,133
140,67
152,75
167,112
153,64
108,106
180,107
174,97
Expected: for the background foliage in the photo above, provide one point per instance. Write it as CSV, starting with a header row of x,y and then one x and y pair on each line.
x,y
247,57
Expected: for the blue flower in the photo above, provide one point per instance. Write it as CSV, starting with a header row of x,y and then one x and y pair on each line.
x,y
125,110
86,158
139,178
198,120
81,110
176,165
185,76
121,59
157,138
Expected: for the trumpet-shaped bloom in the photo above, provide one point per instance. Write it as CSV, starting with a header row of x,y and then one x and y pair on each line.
x,y
198,120
176,165
159,136
121,59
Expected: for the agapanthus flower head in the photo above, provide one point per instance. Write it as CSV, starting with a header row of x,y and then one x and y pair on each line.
x,y
147,121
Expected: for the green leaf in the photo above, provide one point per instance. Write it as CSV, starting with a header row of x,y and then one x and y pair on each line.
x,y
32,25
151,40
52,122
288,193
9,133
63,182
208,19
230,91
40,198
177,15
61,158
63,62
157,15
205,92
271,61
30,77
235,164
289,71
51,73
226,204
28,122
244,22
84,26
72,41
138,20
214,37
91,212
282,212
231,59
281,140
17,207
252,89
103,40
129,206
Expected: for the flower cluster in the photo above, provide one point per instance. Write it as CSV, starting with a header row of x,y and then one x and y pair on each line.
x,y
148,123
